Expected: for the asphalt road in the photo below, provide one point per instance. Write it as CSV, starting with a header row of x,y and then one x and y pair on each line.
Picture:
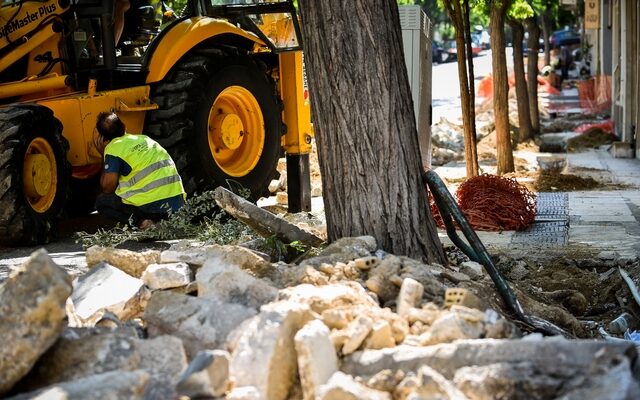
x,y
445,90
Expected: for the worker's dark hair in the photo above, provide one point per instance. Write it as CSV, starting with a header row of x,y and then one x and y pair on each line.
x,y
110,126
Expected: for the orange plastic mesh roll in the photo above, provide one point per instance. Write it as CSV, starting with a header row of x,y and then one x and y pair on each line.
x,y
493,203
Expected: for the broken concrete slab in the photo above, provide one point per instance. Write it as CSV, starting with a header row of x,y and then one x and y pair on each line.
x,y
167,276
344,387
268,341
202,324
321,298
228,283
164,358
551,354
357,332
76,356
129,385
72,358
427,384
131,262
344,250
409,297
244,393
94,293
380,337
317,360
32,315
206,376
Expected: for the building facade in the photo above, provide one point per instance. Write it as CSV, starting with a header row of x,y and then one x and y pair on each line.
x,y
613,32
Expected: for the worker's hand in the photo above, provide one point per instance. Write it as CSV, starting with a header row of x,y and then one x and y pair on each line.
x,y
100,144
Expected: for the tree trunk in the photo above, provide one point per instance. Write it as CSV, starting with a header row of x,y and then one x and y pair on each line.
x,y
532,73
524,120
471,157
500,87
365,128
546,33
463,50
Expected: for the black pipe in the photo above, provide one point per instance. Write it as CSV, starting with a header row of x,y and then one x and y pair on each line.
x,y
476,251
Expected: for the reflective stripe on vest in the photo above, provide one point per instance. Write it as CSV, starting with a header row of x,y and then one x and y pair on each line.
x,y
153,174
143,173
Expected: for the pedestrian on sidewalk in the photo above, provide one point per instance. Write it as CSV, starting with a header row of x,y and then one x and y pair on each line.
x,y
565,62
139,180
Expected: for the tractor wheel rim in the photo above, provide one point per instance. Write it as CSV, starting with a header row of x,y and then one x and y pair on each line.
x,y
40,175
236,131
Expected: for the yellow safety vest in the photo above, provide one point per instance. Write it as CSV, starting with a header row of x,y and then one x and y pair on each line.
x,y
153,174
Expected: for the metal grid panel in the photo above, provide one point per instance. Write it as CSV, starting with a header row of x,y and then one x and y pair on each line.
x,y
551,226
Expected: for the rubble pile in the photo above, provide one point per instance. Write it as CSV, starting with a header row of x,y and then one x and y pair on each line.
x,y
352,322
447,137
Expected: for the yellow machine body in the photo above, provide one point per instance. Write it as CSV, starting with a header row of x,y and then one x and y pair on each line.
x,y
40,65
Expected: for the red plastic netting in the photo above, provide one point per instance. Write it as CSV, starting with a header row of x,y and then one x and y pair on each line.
x,y
493,203
606,126
595,94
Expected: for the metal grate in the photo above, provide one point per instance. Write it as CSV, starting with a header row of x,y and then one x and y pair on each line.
x,y
552,206
551,226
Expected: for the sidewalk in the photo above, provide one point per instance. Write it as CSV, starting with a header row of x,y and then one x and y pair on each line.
x,y
592,222
589,221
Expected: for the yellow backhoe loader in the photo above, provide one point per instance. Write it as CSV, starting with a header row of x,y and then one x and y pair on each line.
x,y
219,83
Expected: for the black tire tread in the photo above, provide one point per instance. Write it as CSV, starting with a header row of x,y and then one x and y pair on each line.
x,y
179,97
19,224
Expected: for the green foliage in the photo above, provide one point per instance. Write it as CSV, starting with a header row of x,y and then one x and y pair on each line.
x,y
198,219
278,250
520,10
109,237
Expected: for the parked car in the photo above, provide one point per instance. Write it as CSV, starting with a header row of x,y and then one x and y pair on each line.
x,y
451,51
437,52
483,38
564,37
525,48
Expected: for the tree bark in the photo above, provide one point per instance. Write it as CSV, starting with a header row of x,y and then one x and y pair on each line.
x,y
532,72
365,128
524,120
546,33
261,221
500,87
472,157
467,100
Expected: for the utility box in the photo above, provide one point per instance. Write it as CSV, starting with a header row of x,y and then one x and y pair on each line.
x,y
416,42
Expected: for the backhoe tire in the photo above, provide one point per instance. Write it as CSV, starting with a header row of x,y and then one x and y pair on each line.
x,y
34,174
220,118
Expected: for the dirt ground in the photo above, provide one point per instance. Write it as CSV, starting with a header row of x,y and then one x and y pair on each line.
x,y
572,287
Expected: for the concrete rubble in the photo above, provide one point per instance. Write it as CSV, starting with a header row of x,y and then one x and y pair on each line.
x,y
350,323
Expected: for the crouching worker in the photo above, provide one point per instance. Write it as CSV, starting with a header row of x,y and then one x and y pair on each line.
x,y
139,180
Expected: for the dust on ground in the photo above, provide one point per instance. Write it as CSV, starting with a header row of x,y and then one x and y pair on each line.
x,y
553,181
590,139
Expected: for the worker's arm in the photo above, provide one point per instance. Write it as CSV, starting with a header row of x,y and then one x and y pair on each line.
x,y
113,168
109,181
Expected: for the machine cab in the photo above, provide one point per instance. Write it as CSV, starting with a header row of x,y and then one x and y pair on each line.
x,y
103,37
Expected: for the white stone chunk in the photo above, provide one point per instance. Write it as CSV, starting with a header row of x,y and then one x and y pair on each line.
x,y
317,359
166,276
410,296
344,387
107,288
358,331
264,356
